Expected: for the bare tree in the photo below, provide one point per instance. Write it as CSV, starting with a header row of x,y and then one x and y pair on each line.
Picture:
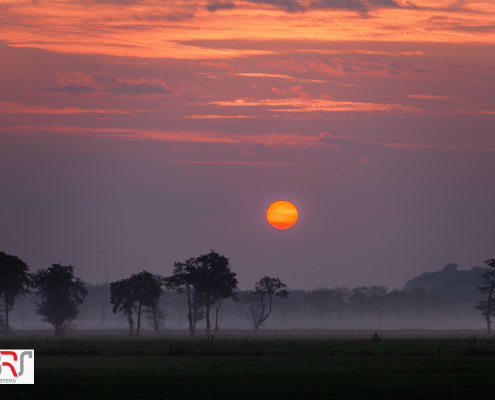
x,y
259,302
487,305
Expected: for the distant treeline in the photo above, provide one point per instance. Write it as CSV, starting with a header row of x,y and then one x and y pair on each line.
x,y
204,289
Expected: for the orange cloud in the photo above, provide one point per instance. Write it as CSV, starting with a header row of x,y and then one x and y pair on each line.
x,y
280,76
19,108
303,103
175,29
424,96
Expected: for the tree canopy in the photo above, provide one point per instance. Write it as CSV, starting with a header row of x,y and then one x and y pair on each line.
x,y
14,282
61,295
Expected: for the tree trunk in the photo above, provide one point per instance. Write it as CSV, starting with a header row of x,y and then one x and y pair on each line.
x,y
138,326
155,321
216,320
489,310
129,316
7,326
207,314
189,316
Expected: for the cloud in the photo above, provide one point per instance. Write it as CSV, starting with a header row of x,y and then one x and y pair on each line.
x,y
325,137
78,84
281,76
171,17
362,6
304,103
277,91
215,6
290,6
425,96
481,28
231,162
256,148
70,89
11,107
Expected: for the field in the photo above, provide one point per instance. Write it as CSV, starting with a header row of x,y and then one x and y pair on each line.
x,y
296,364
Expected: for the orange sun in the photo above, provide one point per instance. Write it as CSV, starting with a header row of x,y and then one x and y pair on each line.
x,y
282,214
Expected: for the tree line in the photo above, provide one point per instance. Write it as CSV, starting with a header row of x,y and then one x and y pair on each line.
x,y
199,287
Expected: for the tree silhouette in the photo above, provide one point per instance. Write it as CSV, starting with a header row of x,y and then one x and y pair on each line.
x,y
420,301
319,301
259,302
487,305
61,295
149,288
99,295
122,298
399,301
14,282
218,297
358,300
340,296
377,299
215,281
184,280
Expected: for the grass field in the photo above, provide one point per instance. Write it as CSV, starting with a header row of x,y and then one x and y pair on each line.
x,y
94,365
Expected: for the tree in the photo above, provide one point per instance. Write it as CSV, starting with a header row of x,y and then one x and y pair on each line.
x,y
340,296
319,301
184,280
419,300
122,298
61,295
487,305
14,282
215,281
146,291
149,288
100,300
219,297
259,302
398,300
378,295
358,299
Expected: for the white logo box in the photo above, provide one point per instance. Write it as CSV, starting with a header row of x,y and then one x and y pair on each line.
x,y
16,366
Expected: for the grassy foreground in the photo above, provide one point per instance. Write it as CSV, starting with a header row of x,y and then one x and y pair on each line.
x,y
80,368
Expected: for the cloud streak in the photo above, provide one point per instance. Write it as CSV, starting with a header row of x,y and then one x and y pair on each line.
x,y
19,108
78,84
304,103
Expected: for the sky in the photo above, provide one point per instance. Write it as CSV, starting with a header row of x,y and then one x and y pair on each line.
x,y
135,134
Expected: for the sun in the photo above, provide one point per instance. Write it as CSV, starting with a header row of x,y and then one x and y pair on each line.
x,y
282,214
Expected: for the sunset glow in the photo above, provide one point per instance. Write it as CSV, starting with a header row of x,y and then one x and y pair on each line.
x,y
282,214
156,127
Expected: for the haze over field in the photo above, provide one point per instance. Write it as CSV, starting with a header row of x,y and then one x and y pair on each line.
x,y
134,134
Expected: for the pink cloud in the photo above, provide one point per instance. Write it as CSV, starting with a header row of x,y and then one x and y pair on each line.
x,y
277,91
